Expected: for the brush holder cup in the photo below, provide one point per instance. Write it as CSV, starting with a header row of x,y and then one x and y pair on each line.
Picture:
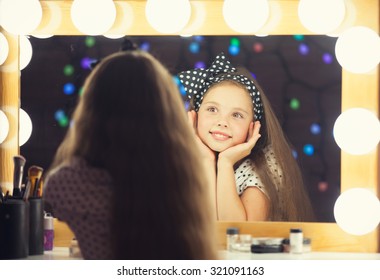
x,y
14,229
36,229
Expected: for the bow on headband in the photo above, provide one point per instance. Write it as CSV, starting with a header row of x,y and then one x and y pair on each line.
x,y
197,81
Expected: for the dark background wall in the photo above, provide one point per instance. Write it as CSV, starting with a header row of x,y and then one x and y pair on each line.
x,y
299,74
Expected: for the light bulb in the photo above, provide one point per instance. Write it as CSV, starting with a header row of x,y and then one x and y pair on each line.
x,y
25,127
357,131
357,211
358,49
4,126
93,17
4,48
168,16
26,52
20,17
322,16
246,16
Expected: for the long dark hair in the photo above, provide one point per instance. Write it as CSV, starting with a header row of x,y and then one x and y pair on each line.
x,y
131,122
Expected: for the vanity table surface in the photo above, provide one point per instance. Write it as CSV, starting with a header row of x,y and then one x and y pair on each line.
x,y
62,253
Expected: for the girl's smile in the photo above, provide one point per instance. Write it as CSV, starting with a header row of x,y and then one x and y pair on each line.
x,y
224,116
219,136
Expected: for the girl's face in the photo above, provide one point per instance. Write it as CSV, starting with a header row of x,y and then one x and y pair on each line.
x,y
224,116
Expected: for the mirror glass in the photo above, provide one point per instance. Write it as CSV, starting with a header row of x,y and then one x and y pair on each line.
x,y
299,74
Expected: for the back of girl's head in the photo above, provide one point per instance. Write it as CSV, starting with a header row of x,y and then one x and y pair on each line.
x,y
131,121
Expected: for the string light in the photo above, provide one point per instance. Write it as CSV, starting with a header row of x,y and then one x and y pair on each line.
x,y
68,70
294,104
303,49
315,129
200,65
61,118
86,63
258,47
308,149
68,88
194,47
90,41
327,58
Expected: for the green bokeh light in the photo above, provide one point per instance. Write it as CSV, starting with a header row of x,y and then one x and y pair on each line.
x,y
90,41
68,70
294,104
63,122
298,37
235,42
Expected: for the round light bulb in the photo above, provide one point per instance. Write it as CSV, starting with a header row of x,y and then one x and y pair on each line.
x,y
168,16
358,49
322,16
93,17
25,127
45,36
4,48
357,131
20,17
246,16
357,211
4,126
26,52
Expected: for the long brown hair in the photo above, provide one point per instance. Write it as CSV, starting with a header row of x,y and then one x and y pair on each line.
x,y
131,122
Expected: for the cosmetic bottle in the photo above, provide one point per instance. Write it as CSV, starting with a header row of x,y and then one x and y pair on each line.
x,y
232,238
296,240
48,232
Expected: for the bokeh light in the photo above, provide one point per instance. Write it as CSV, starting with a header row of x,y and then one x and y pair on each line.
x,y
68,88
308,149
68,70
90,41
294,104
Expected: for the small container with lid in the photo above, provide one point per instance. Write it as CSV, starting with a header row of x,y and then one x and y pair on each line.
x,y
306,248
232,238
48,232
296,240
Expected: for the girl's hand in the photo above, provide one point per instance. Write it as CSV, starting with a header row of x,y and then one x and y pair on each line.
x,y
238,152
206,152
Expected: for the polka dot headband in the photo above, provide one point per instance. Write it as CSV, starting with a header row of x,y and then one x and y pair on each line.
x,y
197,81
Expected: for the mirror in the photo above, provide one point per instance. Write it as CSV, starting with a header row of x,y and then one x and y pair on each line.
x,y
299,74
207,20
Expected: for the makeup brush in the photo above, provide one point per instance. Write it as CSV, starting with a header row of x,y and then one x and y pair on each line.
x,y
34,174
19,163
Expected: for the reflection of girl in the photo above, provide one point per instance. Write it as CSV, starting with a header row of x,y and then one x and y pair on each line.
x,y
251,170
126,178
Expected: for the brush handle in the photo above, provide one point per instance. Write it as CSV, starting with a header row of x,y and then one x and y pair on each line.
x,y
19,163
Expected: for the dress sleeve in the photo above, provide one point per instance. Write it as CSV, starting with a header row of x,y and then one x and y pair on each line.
x,y
245,177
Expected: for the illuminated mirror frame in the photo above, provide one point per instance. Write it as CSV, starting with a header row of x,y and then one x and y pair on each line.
x,y
358,90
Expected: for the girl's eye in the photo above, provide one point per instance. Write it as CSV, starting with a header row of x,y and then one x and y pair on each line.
x,y
238,115
211,109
